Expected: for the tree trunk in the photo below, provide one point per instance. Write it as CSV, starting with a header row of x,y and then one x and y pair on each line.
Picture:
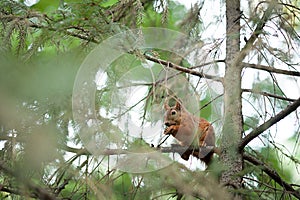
x,y
233,123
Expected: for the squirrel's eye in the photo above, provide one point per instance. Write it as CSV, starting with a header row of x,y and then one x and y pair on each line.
x,y
173,112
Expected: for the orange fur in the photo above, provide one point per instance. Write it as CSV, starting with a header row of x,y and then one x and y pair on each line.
x,y
191,131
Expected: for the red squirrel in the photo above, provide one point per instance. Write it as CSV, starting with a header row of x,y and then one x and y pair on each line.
x,y
190,131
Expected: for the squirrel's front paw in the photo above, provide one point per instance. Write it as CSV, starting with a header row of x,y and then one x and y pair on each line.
x,y
168,130
171,130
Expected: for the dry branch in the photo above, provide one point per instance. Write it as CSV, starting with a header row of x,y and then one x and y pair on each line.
x,y
175,148
273,120
272,69
182,69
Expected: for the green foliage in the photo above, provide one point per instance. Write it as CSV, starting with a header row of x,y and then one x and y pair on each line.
x,y
250,122
46,6
206,107
46,78
268,86
122,187
108,3
278,163
165,16
274,158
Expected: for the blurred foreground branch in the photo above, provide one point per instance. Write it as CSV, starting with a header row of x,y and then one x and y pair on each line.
x,y
37,192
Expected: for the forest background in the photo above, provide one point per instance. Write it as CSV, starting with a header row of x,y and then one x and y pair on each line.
x,y
237,66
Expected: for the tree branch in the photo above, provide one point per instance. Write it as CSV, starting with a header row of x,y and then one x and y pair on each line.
x,y
268,95
182,69
271,69
273,120
30,15
175,148
208,63
272,174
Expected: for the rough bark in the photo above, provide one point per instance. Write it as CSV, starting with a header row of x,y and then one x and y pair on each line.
x,y
233,126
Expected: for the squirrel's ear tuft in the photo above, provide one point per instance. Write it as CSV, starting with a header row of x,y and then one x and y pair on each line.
x,y
177,106
166,106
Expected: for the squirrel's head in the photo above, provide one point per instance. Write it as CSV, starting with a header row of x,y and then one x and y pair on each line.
x,y
173,114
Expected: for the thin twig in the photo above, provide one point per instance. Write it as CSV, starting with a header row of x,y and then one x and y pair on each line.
x,y
269,95
272,174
